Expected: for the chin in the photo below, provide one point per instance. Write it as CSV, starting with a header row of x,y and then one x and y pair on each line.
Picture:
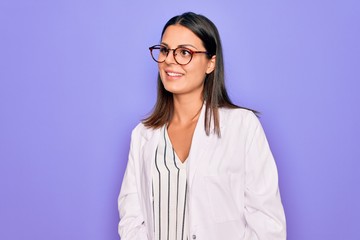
x,y
173,90
173,87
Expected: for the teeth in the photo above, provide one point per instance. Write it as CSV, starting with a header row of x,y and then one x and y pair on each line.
x,y
174,74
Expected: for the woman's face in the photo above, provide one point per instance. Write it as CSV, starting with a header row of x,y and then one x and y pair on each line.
x,y
184,79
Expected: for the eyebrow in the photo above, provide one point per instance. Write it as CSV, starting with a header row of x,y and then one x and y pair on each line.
x,y
181,45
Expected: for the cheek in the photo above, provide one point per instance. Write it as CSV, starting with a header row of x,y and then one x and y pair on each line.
x,y
198,71
160,69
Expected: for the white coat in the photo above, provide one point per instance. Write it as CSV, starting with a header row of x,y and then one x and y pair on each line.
x,y
232,183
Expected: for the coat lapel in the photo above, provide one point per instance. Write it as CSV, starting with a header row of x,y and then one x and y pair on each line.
x,y
200,146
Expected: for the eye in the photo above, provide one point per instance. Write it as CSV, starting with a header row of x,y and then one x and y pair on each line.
x,y
184,52
163,50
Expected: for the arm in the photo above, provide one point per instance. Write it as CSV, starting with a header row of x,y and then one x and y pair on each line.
x,y
131,225
264,212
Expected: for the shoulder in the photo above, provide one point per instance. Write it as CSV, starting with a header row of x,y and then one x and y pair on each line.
x,y
239,121
236,116
142,131
139,128
241,124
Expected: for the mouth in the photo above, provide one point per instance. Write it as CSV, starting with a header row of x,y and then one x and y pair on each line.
x,y
173,74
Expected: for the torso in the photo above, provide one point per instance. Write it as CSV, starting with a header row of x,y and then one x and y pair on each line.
x,y
181,137
169,192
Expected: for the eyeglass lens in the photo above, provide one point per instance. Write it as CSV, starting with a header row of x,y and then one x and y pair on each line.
x,y
182,55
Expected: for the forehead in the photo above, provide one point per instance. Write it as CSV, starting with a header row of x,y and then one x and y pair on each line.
x,y
176,35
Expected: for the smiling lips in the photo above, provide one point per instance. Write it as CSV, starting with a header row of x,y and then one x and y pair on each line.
x,y
174,74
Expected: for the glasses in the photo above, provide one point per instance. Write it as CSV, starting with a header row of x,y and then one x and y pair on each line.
x,y
182,55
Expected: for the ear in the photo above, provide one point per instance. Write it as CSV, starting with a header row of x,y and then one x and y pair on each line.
x,y
211,65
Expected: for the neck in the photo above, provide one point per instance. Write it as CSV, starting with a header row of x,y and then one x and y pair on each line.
x,y
186,109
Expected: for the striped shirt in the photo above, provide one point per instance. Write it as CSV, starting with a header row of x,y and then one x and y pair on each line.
x,y
169,190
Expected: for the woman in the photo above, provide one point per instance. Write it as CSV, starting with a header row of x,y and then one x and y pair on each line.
x,y
199,166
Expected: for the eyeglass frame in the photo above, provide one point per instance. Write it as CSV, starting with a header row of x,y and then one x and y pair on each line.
x,y
174,55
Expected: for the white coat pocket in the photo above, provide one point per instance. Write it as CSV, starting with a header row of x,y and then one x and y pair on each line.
x,y
223,206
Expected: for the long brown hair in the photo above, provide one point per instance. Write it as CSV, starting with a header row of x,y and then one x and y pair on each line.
x,y
214,93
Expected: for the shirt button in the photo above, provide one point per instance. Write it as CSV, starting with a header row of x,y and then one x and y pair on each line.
x,y
194,236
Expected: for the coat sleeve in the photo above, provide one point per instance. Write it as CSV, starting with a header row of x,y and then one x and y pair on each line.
x,y
264,212
131,225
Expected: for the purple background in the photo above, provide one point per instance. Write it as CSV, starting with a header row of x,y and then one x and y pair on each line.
x,y
76,77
